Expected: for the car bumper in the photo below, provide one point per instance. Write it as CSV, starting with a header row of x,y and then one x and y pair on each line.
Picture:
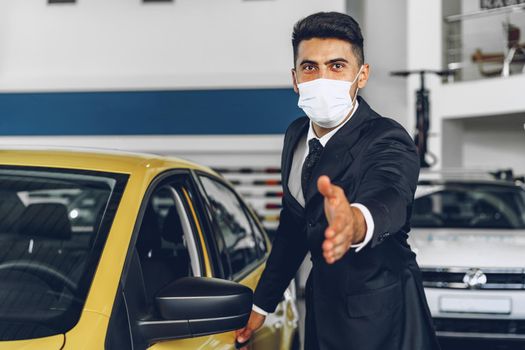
x,y
484,315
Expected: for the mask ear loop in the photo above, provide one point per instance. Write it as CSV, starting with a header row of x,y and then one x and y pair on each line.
x,y
357,76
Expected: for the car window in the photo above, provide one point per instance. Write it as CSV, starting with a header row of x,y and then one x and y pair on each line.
x,y
260,237
471,206
163,241
235,238
53,225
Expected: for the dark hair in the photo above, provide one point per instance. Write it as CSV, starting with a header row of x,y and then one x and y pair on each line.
x,y
329,25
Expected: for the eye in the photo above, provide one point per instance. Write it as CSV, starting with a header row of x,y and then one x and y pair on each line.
x,y
338,66
308,68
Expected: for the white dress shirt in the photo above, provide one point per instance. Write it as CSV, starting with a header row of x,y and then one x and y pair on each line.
x,y
295,187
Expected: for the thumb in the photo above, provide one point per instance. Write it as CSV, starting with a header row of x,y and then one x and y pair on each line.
x,y
244,334
325,187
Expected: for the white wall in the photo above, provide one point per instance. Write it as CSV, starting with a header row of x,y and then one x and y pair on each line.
x,y
483,97
214,151
385,33
124,44
486,142
384,28
424,51
498,142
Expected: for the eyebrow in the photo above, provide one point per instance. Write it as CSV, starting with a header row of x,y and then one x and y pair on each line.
x,y
337,60
334,60
307,61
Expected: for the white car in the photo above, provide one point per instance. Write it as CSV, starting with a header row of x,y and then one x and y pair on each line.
x,y
469,236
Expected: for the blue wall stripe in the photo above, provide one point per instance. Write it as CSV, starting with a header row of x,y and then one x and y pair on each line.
x,y
248,111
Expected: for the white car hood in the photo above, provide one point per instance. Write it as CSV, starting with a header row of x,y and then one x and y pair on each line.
x,y
468,247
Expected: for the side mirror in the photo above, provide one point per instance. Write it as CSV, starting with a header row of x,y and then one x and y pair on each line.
x,y
197,306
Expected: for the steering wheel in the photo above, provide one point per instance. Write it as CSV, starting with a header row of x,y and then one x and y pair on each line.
x,y
49,274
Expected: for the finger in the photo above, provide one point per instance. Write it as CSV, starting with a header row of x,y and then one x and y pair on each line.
x,y
340,250
244,335
329,233
337,246
337,224
241,346
331,243
332,258
325,187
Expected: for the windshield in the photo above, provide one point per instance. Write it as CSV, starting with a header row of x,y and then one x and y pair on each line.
x,y
469,206
53,226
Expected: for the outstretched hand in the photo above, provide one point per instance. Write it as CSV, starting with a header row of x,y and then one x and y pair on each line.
x,y
346,224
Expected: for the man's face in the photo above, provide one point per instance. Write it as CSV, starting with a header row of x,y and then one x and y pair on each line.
x,y
328,59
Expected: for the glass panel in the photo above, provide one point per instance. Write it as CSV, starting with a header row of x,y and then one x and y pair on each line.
x,y
259,235
161,243
471,206
53,225
237,244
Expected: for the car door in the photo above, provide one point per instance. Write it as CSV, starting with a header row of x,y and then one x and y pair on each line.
x,y
166,245
241,252
194,203
285,319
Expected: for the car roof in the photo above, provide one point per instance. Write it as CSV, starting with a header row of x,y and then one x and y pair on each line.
x,y
465,182
464,176
93,159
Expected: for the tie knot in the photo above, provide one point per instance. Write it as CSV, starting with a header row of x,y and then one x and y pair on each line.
x,y
314,146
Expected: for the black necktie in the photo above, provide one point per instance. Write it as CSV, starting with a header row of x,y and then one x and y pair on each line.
x,y
314,153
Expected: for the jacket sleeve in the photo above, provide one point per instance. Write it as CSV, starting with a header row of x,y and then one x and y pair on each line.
x,y
390,169
289,249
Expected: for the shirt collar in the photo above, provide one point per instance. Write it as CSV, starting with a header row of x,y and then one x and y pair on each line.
x,y
324,140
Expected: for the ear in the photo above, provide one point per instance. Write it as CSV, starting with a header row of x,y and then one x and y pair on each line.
x,y
363,76
294,81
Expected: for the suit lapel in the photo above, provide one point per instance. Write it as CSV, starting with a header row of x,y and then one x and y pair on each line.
x,y
337,156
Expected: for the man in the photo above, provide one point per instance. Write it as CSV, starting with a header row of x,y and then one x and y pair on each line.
x,y
349,177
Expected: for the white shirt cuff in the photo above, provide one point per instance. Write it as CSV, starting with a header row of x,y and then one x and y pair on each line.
x,y
369,226
259,310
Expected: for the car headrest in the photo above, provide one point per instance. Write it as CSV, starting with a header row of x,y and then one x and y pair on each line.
x,y
11,207
149,234
172,228
45,220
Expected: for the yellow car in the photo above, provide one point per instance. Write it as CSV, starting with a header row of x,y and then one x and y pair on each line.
x,y
108,250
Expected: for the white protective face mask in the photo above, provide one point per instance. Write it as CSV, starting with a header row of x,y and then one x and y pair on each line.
x,y
327,101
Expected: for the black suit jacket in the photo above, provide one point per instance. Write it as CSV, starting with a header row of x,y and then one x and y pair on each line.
x,y
373,299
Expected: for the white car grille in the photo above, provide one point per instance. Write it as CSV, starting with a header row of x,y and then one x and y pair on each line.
x,y
474,278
